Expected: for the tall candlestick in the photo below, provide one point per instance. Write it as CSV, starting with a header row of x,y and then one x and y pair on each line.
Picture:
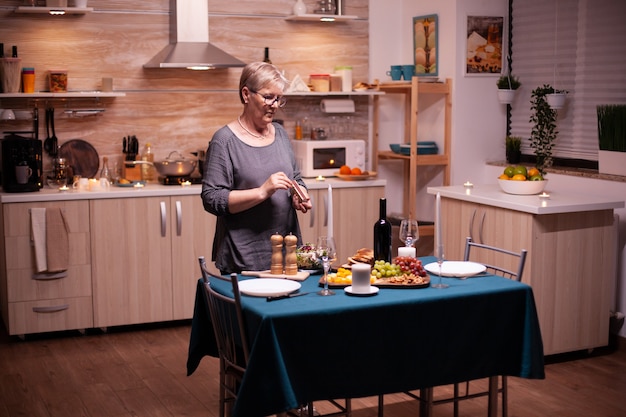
x,y
329,233
438,239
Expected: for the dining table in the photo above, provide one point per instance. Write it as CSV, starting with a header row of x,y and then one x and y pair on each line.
x,y
313,347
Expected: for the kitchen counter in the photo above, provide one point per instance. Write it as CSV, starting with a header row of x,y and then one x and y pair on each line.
x,y
558,202
157,190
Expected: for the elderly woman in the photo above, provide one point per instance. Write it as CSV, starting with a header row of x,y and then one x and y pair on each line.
x,y
249,176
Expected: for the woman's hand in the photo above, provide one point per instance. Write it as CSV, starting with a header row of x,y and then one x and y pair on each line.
x,y
304,204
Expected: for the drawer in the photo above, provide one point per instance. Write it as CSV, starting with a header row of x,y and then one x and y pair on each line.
x,y
50,315
22,285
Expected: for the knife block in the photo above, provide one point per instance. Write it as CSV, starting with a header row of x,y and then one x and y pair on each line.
x,y
132,172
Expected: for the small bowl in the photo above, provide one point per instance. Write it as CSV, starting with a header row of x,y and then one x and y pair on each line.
x,y
522,187
395,147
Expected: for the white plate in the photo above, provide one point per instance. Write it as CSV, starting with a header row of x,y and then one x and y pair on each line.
x,y
456,268
268,287
373,291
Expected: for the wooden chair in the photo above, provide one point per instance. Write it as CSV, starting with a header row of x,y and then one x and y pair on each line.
x,y
426,396
232,342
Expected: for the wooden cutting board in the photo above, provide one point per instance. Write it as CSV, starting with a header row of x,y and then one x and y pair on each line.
x,y
81,156
300,276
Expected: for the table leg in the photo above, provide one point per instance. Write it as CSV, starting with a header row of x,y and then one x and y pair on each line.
x,y
493,397
426,402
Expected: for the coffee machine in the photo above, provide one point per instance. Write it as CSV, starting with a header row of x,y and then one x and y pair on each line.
x,y
22,167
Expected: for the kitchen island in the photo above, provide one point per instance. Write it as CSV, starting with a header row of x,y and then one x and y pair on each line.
x,y
572,244
133,252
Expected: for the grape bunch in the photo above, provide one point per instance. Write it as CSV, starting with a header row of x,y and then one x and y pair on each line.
x,y
410,265
384,269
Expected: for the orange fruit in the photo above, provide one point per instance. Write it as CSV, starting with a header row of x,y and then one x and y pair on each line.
x,y
345,170
518,177
532,172
356,171
504,177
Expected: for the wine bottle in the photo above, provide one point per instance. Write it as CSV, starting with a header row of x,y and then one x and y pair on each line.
x,y
267,56
14,51
382,234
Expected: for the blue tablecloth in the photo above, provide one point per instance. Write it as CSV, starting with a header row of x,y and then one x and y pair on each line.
x,y
311,347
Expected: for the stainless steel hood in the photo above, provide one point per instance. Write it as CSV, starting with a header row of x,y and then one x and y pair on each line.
x,y
189,40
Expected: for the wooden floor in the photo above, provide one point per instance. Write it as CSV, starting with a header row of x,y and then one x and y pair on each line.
x,y
140,371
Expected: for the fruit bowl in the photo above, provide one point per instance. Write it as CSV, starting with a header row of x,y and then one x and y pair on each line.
x,y
522,187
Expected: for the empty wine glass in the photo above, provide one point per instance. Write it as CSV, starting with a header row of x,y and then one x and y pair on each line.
x,y
440,258
409,232
326,252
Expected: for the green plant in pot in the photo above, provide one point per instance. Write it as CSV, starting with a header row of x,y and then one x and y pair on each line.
x,y
507,84
513,146
612,138
543,133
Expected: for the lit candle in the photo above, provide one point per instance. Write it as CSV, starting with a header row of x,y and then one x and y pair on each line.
x,y
319,178
438,239
185,183
406,251
329,233
544,196
468,184
63,188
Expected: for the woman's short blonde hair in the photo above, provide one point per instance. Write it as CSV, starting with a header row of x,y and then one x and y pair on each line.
x,y
258,75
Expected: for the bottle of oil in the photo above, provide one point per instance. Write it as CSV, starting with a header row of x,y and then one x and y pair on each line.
x,y
147,170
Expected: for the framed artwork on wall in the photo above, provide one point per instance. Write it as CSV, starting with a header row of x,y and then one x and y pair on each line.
x,y
425,45
484,45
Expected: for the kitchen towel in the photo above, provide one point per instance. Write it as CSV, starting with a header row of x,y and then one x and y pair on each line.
x,y
337,106
57,241
38,237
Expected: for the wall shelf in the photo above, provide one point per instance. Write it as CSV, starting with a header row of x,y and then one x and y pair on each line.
x,y
76,94
333,93
48,10
321,18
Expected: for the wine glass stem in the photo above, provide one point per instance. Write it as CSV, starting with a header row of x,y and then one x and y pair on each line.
x,y
326,267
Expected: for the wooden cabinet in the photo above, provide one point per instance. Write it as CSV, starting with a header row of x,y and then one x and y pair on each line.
x,y
145,253
571,264
42,302
355,210
413,162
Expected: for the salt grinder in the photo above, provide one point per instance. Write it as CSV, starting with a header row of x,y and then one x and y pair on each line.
x,y
277,254
291,260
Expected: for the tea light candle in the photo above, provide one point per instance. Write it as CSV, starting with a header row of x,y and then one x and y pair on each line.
x,y
544,196
468,184
185,183
406,251
319,178
63,188
138,185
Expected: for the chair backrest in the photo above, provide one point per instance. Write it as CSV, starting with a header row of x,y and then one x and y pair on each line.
x,y
227,319
520,257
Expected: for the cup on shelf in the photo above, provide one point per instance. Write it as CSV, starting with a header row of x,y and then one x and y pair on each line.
x,y
407,72
395,72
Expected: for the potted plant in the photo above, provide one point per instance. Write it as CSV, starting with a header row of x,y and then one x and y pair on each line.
x,y
513,146
544,133
612,139
556,99
507,84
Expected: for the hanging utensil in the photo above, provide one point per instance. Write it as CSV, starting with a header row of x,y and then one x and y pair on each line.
x,y
55,141
47,144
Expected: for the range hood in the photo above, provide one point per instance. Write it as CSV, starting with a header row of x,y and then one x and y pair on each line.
x,y
189,40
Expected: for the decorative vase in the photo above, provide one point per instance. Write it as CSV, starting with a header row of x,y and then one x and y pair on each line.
x,y
612,162
556,100
299,8
513,157
506,96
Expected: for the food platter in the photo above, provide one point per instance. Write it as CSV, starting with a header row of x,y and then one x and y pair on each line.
x,y
382,283
349,177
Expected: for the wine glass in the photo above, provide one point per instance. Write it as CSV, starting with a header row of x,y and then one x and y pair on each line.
x,y
440,258
409,232
326,252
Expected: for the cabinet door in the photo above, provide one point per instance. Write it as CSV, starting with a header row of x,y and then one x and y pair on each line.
x,y
41,302
192,233
131,260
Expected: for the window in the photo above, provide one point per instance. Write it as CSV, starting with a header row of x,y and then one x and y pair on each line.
x,y
573,45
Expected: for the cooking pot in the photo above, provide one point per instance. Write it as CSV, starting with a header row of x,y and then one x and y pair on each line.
x,y
175,167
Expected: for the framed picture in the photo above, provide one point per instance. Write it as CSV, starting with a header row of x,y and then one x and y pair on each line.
x,y
425,45
484,45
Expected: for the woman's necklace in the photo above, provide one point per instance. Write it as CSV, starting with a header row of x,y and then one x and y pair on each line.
x,y
256,135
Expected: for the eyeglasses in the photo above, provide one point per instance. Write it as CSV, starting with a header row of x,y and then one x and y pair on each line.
x,y
269,100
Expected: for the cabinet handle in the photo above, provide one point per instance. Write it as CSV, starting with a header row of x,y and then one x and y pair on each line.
x,y
480,230
47,276
51,309
471,225
163,219
179,218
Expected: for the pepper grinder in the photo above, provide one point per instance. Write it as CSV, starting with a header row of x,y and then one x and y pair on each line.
x,y
277,254
291,259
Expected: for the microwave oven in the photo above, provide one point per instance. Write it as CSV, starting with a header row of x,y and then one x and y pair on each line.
x,y
324,157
